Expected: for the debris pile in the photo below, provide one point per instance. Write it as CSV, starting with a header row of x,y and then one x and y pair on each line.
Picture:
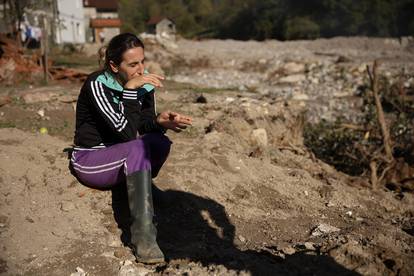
x,y
62,73
15,66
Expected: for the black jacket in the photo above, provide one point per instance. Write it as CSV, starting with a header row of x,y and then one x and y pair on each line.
x,y
107,114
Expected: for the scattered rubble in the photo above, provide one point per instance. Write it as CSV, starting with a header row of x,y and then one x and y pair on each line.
x,y
127,268
15,66
326,75
323,229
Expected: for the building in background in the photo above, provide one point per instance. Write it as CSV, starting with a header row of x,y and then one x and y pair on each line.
x,y
70,22
162,27
101,20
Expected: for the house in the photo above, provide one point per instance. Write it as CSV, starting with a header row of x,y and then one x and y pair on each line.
x,y
161,26
101,20
64,21
70,27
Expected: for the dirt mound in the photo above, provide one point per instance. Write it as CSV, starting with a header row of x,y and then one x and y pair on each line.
x,y
248,199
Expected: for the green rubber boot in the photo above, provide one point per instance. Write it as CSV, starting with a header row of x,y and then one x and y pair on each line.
x,y
143,231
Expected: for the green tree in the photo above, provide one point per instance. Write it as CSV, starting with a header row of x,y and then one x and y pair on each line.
x,y
132,16
301,28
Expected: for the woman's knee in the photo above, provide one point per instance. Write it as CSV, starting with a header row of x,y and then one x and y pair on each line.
x,y
157,142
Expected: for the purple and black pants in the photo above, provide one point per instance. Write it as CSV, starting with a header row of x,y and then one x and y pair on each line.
x,y
107,167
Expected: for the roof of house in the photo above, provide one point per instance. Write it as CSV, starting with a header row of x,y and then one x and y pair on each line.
x,y
105,23
102,4
157,19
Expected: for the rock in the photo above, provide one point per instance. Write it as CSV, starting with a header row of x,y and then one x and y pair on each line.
x,y
38,97
323,228
120,253
67,206
309,246
289,250
79,272
129,269
41,112
241,238
293,68
300,97
230,99
259,137
292,78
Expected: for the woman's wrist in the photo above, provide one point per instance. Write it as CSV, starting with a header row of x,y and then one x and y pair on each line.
x,y
129,86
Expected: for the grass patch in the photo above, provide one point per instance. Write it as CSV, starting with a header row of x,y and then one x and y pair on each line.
x,y
7,125
74,60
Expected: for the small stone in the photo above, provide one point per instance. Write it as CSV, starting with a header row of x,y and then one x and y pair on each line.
x,y
309,245
292,79
241,238
323,228
293,68
129,269
349,213
289,250
120,253
300,97
41,113
79,272
67,206
114,241
259,137
230,99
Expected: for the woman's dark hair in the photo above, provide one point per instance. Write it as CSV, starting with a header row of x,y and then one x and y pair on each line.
x,y
118,45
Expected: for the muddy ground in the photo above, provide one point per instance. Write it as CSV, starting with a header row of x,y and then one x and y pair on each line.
x,y
247,197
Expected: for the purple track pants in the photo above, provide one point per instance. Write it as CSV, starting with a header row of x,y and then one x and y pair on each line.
x,y
107,167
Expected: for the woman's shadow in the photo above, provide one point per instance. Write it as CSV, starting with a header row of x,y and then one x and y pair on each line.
x,y
197,229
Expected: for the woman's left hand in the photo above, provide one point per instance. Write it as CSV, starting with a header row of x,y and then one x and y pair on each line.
x,y
174,121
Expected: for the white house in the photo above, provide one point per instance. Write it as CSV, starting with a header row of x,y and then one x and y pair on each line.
x,y
70,17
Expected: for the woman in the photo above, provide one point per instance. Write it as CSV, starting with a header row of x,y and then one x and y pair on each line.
x,y
120,139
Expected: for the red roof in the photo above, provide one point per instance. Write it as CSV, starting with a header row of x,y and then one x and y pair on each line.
x,y
156,19
102,4
105,23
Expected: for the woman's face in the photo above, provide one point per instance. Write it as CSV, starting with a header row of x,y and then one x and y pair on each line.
x,y
132,64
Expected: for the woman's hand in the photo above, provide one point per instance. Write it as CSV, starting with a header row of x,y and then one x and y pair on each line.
x,y
139,81
174,121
